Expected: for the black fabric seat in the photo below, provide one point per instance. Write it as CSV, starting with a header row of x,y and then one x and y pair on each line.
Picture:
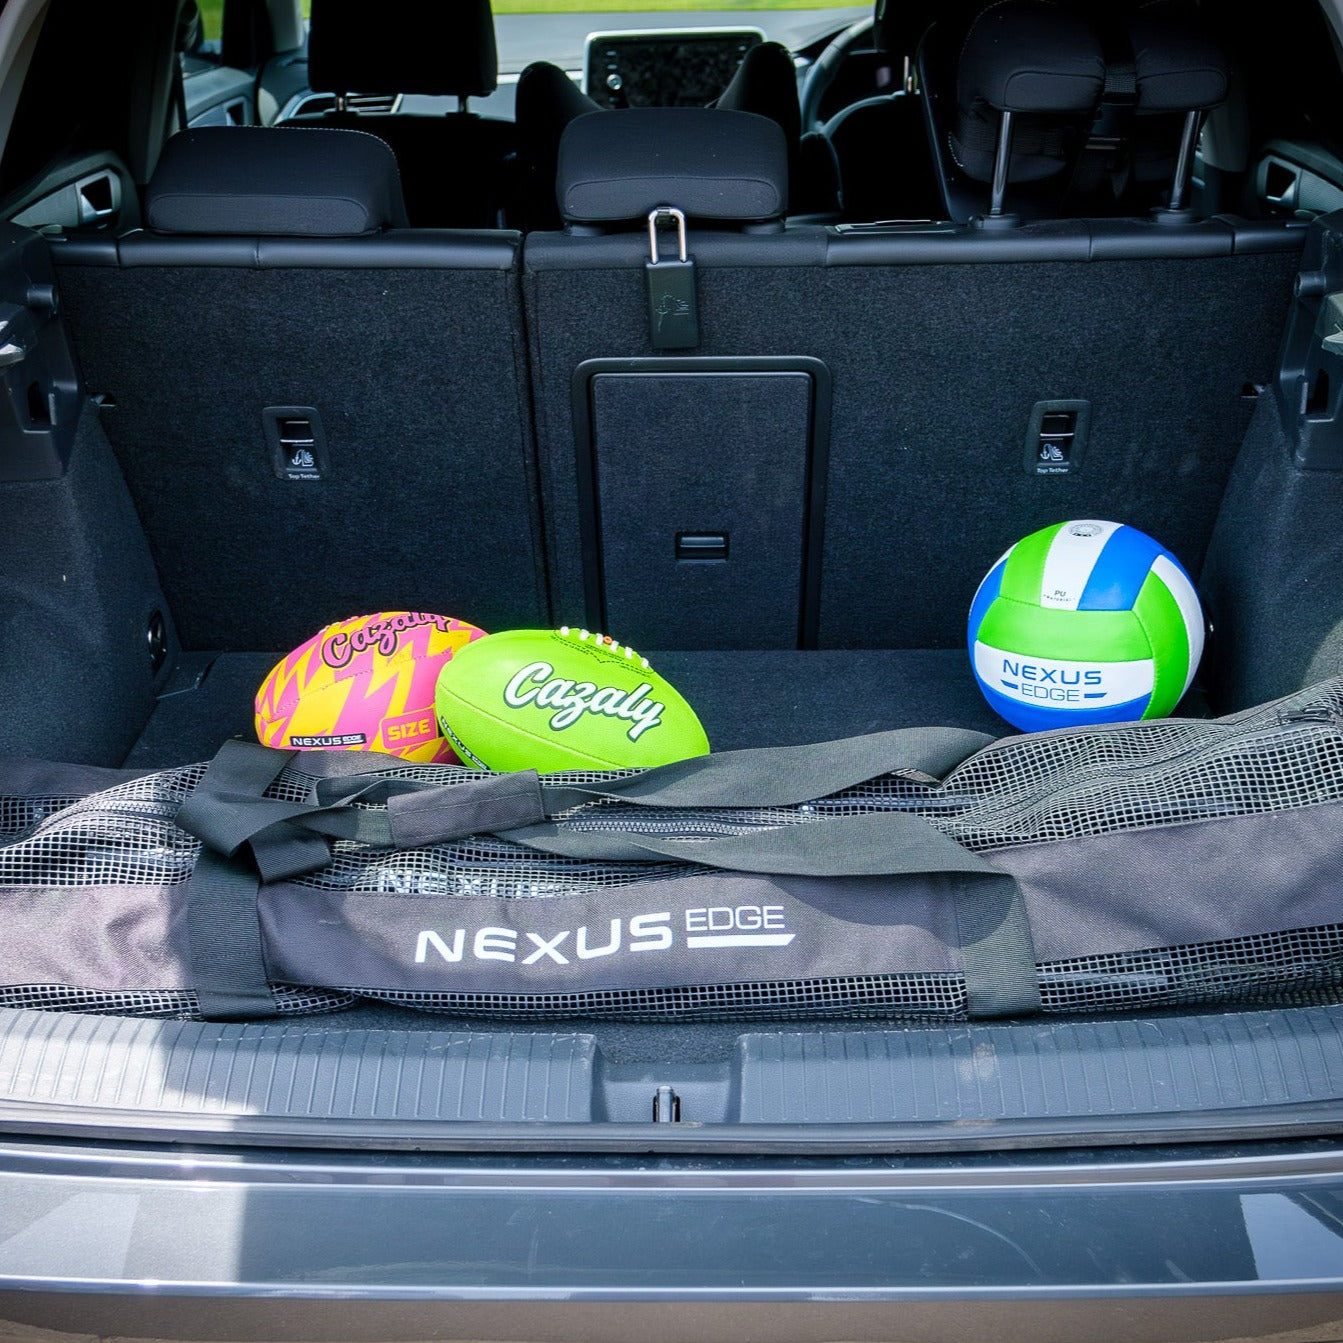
x,y
1164,71
1010,97
547,101
672,466
766,83
318,412
456,168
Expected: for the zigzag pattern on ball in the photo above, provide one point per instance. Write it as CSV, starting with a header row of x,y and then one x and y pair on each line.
x,y
366,683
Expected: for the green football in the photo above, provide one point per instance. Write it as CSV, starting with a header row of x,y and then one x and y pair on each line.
x,y
565,699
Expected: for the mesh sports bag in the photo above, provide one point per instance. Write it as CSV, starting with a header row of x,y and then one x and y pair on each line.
x,y
931,874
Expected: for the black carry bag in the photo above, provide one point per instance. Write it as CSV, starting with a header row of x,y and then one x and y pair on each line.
x,y
933,874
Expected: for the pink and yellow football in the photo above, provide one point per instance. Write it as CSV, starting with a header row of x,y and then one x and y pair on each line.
x,y
364,684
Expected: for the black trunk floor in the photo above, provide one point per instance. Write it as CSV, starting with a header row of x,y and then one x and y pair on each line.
x,y
744,699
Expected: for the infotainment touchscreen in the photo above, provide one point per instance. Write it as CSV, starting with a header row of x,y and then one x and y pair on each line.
x,y
664,68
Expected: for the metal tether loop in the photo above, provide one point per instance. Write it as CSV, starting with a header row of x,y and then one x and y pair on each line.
x,y
658,213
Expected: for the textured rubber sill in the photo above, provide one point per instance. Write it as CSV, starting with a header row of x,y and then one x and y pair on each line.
x,y
1281,1123
1046,1069
293,1070
1209,1077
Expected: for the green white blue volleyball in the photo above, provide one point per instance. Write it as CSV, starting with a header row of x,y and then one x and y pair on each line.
x,y
1085,622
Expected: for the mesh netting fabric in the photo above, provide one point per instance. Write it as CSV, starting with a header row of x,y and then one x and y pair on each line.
x,y
18,815
1269,969
1022,790
290,1000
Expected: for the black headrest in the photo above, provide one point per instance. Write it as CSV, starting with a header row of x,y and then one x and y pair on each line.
x,y
440,47
1177,66
1030,56
766,83
307,181
708,163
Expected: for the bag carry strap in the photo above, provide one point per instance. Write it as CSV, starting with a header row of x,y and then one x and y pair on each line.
x,y
783,776
283,839
774,776
994,932
229,812
228,964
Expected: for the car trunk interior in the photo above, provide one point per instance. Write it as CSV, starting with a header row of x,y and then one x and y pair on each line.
x,y
156,558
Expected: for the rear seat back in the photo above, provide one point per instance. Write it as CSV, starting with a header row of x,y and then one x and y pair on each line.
x,y
859,431
677,486
274,294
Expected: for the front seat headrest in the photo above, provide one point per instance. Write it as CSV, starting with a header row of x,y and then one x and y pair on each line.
x,y
1177,66
1179,73
437,47
766,83
189,28
1025,57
